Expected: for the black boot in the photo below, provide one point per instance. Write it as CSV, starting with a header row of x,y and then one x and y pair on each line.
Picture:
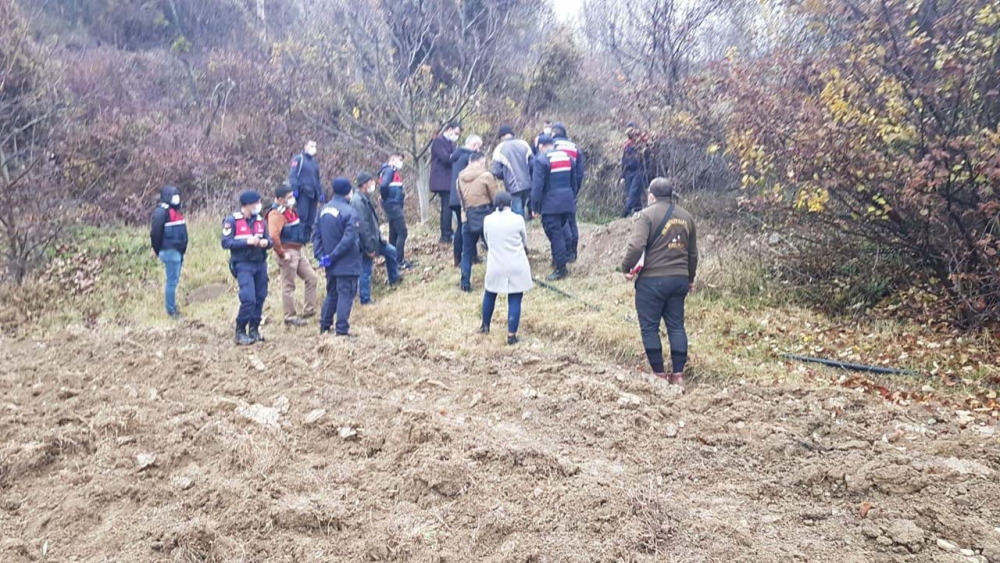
x,y
512,339
557,275
255,334
242,339
484,329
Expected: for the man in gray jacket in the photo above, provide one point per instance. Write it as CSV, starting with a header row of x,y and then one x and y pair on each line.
x,y
512,163
370,237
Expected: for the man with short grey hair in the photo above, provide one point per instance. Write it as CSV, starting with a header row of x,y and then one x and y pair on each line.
x,y
662,253
512,162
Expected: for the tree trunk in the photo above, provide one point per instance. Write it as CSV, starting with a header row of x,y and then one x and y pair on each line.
x,y
423,187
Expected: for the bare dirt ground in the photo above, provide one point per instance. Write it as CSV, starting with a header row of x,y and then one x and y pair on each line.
x,y
168,443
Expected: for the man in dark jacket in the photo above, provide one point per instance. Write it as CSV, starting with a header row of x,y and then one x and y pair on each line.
x,y
512,163
635,166
372,243
169,239
459,160
562,143
393,194
338,249
662,251
441,177
303,177
245,236
553,189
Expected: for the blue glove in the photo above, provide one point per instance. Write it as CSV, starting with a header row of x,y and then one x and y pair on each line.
x,y
295,193
326,261
322,196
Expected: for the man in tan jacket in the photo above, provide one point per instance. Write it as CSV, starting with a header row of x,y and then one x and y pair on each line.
x,y
477,188
663,253
289,235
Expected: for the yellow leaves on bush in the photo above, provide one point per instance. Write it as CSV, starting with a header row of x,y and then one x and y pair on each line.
x,y
812,199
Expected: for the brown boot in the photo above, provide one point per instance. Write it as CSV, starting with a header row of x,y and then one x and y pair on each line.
x,y
677,379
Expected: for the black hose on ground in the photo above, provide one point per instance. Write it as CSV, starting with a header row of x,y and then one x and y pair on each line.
x,y
562,293
849,366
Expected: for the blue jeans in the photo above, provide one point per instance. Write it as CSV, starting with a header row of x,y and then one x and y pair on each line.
x,y
662,300
519,201
513,310
368,264
172,261
252,279
340,292
469,241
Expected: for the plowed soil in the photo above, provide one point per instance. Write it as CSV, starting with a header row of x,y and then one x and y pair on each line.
x,y
135,443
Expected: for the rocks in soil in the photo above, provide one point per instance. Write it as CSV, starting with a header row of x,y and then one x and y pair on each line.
x,y
906,533
145,461
258,413
313,416
347,433
946,545
629,401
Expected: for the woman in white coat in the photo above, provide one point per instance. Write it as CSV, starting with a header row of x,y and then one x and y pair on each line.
x,y
507,268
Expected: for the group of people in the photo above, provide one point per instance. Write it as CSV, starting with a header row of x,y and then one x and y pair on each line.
x,y
488,201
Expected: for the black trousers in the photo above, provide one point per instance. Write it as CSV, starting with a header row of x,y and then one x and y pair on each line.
x,y
397,236
446,224
662,300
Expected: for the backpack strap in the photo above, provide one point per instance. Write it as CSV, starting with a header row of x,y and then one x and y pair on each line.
x,y
655,235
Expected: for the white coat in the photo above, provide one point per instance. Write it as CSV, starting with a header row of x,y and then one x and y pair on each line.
x,y
507,268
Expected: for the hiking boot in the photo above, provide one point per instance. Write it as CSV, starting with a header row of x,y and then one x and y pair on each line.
x,y
557,275
242,338
571,259
467,288
405,265
484,330
677,379
458,262
254,334
308,314
512,340
295,321
176,315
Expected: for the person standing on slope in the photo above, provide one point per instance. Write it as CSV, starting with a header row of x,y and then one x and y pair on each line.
x,y
337,248
169,238
476,187
459,160
662,252
303,177
288,234
441,178
507,268
512,162
553,185
245,236
393,193
635,169
563,144
370,237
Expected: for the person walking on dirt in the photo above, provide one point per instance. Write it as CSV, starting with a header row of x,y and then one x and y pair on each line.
x,y
338,249
553,185
245,236
635,166
662,253
507,268
476,189
459,160
512,161
289,236
562,143
393,197
440,180
370,237
303,177
169,238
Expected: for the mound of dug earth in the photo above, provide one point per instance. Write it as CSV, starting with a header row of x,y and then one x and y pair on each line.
x,y
173,445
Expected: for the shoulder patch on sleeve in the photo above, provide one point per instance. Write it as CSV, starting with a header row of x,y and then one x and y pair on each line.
x,y
295,162
227,229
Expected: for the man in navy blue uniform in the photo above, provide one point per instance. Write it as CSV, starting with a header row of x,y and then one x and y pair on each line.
x,y
562,143
244,235
303,177
338,249
553,189
393,193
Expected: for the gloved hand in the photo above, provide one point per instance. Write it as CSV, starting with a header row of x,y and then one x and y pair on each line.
x,y
326,261
322,196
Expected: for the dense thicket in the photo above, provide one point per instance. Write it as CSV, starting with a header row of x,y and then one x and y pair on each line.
x,y
863,133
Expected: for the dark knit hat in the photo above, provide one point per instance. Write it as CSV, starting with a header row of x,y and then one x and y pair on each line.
x,y
662,187
545,140
505,130
248,197
559,130
364,178
283,190
341,186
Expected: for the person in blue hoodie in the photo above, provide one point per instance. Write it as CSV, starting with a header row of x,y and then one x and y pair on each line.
x,y
337,247
169,238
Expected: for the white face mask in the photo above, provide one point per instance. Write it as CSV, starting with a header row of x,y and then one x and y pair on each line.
x,y
175,199
290,201
547,130
451,136
372,188
311,150
256,208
